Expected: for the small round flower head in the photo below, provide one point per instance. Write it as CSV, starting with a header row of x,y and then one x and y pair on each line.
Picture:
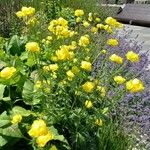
x,y
86,65
135,85
79,13
88,86
131,56
116,58
32,47
112,42
119,79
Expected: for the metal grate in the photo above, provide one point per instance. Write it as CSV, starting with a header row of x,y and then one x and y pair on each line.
x,y
142,1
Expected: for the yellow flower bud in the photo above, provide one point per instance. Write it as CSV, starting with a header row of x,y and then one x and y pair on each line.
x,y
16,119
7,72
119,79
88,104
99,122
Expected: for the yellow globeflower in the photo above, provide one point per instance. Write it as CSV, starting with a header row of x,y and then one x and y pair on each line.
x,y
84,41
94,30
88,86
43,139
86,65
38,128
78,19
99,122
7,72
70,75
79,13
116,58
88,104
133,57
100,26
112,42
135,85
32,47
119,79
75,70
20,14
111,21
28,10
86,24
108,29
16,119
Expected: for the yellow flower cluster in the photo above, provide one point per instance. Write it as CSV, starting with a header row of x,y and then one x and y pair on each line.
x,y
51,67
65,53
16,119
84,41
7,72
112,42
119,79
32,47
59,27
40,131
131,56
116,58
25,11
90,17
135,85
113,22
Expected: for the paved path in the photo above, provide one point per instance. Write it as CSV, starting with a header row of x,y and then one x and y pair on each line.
x,y
143,35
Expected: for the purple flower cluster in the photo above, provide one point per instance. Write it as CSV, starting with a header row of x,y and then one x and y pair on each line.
x,y
133,109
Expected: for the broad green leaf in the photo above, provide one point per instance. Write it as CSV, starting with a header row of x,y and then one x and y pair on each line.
x,y
31,60
2,89
28,94
3,141
4,119
12,131
21,111
56,135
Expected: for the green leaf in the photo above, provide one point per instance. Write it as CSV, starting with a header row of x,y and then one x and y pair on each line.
x,y
4,119
21,111
16,45
2,89
30,61
3,141
12,131
28,94
56,135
